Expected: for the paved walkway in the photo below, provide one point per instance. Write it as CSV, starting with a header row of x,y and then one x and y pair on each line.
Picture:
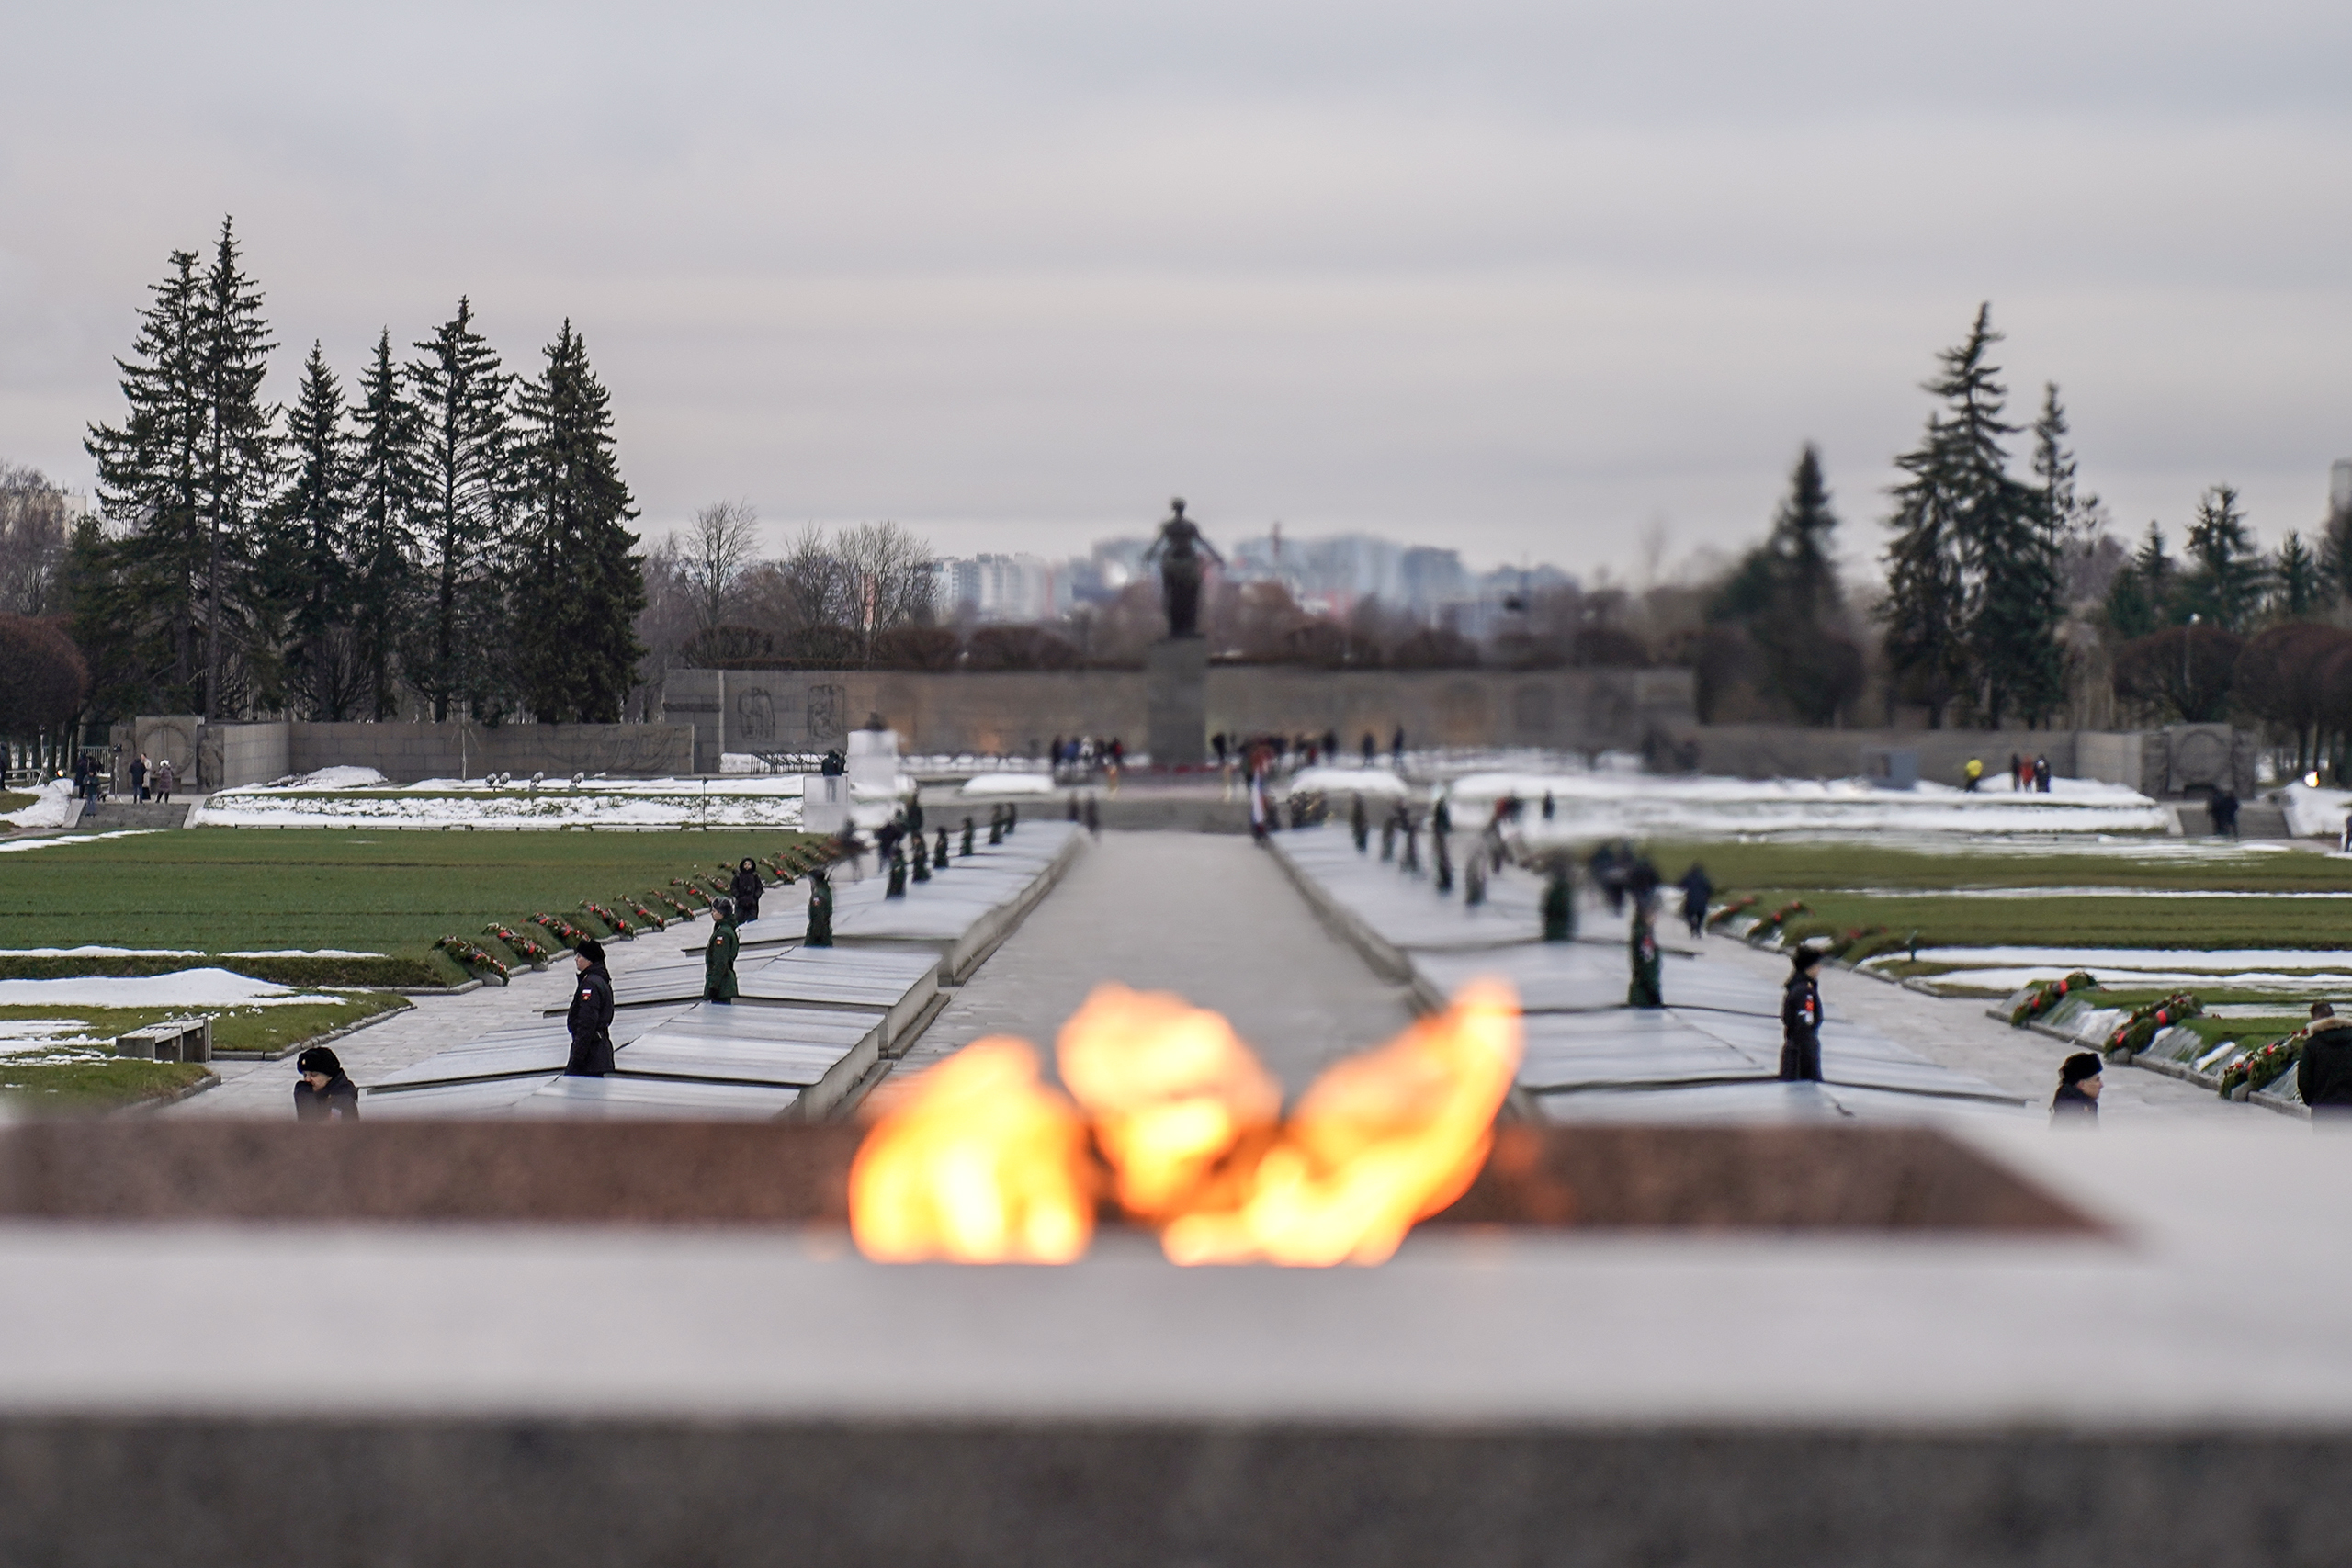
x,y
1955,1031
1209,916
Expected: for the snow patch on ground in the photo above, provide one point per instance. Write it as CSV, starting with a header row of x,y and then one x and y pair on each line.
x,y
2316,813
772,802
91,952
340,778
182,988
1612,805
22,845
51,810
1010,784
2003,982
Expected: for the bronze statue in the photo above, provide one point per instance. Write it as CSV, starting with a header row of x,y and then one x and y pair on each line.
x,y
1179,549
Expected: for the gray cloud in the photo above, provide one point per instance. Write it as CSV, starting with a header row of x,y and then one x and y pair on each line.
x,y
1518,278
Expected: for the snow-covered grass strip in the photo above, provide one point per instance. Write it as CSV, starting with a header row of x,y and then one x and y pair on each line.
x,y
182,988
21,845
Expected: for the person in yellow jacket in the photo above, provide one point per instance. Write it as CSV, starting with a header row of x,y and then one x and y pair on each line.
x,y
1974,771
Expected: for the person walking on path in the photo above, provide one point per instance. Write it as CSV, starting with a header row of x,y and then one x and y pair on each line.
x,y
820,909
1559,902
139,777
1974,773
1801,1019
2078,1085
590,1018
719,958
323,1090
2042,774
167,777
746,888
2323,1077
1697,892
1646,991
1357,825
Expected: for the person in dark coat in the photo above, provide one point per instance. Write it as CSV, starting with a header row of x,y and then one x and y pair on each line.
x,y
1697,891
1357,824
139,777
2079,1087
745,890
719,958
2323,1077
590,1018
1801,1019
1559,902
323,1091
1646,991
821,909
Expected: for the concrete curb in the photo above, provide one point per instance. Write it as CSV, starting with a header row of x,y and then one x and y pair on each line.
x,y
285,1051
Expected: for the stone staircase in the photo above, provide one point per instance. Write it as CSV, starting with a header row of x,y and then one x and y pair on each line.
x,y
120,813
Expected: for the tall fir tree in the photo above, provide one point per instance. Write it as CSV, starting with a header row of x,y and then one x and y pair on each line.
x,y
1811,665
453,653
387,488
2335,557
2024,594
2226,587
141,590
239,461
1957,514
310,565
2297,591
578,587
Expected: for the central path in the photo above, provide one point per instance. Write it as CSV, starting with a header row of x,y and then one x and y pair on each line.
x,y
1209,916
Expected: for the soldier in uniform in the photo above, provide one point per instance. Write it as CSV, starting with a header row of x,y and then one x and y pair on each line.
x,y
1801,1019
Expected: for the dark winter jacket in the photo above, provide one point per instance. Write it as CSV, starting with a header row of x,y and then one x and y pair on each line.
x,y
2071,1104
1801,1029
339,1101
2325,1074
718,964
591,1020
746,889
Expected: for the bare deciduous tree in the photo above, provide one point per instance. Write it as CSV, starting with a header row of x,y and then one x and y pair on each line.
x,y
717,550
33,536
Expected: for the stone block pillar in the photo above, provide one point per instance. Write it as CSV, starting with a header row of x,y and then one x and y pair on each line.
x,y
1176,675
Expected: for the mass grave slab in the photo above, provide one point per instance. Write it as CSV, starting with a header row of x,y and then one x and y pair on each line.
x,y
521,1049
1626,1049
1586,976
1852,1056
634,1099
900,985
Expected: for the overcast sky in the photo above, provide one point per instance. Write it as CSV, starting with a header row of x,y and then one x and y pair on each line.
x,y
1530,279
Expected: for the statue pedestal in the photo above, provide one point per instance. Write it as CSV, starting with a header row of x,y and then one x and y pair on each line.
x,y
1176,679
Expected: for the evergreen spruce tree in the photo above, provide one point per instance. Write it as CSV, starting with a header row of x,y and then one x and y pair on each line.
x,y
239,465
2159,575
2297,592
1811,664
310,567
2227,585
386,486
2024,596
452,654
141,591
1956,515
578,589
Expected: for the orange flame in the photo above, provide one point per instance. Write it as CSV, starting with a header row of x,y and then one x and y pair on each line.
x,y
1380,1141
1171,1089
976,1162
979,1161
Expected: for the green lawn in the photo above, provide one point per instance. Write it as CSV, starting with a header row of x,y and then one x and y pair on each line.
x,y
15,800
219,889
1847,885
233,1028
93,1083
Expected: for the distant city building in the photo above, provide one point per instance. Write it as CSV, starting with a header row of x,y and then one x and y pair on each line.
x,y
1003,588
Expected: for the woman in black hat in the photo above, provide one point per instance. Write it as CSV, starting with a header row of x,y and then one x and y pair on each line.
x,y
1801,1019
592,1014
746,889
323,1092
2078,1085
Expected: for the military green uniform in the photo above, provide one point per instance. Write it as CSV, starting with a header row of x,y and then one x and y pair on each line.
x,y
718,964
820,912
1646,991
1559,907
